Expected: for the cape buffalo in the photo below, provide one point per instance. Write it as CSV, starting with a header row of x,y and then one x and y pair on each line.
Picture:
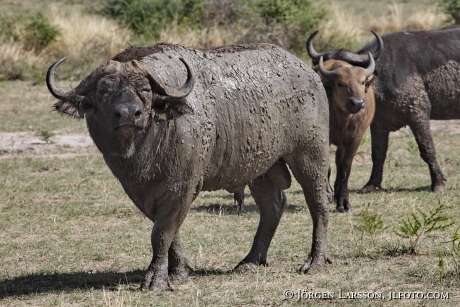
x,y
418,77
172,121
351,110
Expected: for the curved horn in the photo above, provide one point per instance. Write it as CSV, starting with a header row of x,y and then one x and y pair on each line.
x,y
327,74
85,85
311,51
379,50
357,59
172,92
54,89
370,69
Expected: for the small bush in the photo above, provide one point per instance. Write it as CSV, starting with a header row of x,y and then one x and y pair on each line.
x,y
46,136
39,32
289,22
149,17
33,30
416,226
452,8
370,224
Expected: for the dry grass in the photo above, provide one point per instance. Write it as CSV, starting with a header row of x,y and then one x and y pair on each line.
x,y
83,33
202,38
424,18
14,53
345,28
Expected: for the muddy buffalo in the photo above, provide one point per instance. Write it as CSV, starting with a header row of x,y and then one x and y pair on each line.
x,y
171,122
352,106
418,77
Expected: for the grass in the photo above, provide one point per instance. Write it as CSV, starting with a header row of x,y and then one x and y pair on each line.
x,y
70,236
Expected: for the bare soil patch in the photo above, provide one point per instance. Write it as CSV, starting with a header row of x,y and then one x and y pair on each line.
x,y
60,145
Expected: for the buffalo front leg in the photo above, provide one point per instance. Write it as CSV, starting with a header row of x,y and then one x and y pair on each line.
x,y
379,141
271,201
178,264
346,153
168,217
422,133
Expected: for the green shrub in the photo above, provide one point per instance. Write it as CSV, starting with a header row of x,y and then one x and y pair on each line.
x,y
452,8
289,22
149,17
39,32
370,224
416,226
286,23
31,29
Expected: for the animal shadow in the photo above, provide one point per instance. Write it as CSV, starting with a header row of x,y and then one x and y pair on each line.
x,y
67,282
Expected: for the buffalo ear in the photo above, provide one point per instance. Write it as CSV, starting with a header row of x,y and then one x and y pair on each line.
x,y
370,80
74,107
69,107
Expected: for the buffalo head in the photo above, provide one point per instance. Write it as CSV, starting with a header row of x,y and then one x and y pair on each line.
x,y
120,98
346,85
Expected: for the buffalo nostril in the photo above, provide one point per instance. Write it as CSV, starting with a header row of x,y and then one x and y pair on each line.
x,y
117,114
137,114
357,102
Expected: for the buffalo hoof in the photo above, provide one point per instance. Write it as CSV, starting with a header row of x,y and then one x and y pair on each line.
x,y
438,188
154,283
246,268
343,209
368,189
179,275
314,264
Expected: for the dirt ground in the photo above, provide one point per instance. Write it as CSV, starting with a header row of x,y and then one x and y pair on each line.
x,y
63,145
29,144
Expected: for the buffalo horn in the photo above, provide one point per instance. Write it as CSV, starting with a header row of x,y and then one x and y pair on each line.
x,y
172,92
86,85
370,69
54,89
327,74
311,51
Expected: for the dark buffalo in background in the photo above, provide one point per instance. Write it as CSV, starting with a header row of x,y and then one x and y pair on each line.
x,y
418,79
172,121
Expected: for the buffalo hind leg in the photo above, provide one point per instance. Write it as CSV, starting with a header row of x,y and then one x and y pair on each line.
x,y
422,133
271,201
379,141
312,174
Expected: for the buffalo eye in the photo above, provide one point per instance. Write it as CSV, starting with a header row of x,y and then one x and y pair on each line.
x,y
145,91
340,84
102,91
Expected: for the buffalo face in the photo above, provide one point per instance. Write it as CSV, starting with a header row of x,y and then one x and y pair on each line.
x,y
347,85
122,102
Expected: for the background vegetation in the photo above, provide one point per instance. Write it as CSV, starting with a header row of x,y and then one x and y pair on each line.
x,y
34,33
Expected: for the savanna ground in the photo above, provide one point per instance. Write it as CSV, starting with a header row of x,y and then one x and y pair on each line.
x,y
69,236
